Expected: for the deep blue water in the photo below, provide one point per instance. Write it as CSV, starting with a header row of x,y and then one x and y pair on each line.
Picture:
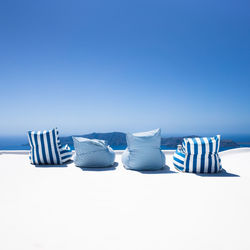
x,y
19,142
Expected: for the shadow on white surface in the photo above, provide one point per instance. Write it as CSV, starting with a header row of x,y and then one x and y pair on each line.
x,y
100,169
222,173
54,166
164,170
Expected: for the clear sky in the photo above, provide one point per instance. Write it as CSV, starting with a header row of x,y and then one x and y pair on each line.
x,y
87,66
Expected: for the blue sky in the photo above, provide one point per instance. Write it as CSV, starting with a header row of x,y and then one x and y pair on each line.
x,y
101,66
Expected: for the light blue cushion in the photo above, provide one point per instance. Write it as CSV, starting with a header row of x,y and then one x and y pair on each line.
x,y
92,153
143,151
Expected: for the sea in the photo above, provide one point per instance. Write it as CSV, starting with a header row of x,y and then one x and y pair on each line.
x,y
21,142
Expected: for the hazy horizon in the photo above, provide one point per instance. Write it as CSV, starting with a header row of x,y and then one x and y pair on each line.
x,y
20,142
233,136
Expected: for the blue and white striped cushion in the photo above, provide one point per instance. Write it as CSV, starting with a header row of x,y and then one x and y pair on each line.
x,y
210,163
201,145
199,155
65,151
179,159
46,148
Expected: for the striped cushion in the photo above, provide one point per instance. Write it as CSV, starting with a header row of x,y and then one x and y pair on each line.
x,y
202,145
203,164
179,159
46,148
198,155
65,151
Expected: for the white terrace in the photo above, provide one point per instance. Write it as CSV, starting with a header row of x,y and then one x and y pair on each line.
x,y
67,208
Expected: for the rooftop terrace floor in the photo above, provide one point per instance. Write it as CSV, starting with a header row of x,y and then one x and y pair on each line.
x,y
68,208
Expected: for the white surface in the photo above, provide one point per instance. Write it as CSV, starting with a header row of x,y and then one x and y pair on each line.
x,y
68,208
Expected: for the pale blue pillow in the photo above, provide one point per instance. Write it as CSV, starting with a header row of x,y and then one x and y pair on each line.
x,y
143,151
92,153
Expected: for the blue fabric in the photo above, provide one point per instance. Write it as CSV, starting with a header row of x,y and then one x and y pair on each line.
x,y
46,148
201,145
198,155
179,159
65,150
143,151
92,153
65,153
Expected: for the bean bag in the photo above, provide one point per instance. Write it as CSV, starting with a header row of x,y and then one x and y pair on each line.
x,y
46,148
143,151
92,153
198,155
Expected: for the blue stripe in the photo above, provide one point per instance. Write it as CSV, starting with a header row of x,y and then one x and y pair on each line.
x,y
51,160
210,156
178,160
178,167
215,164
66,156
65,151
203,152
209,164
187,163
55,147
43,149
195,155
188,157
36,150
188,147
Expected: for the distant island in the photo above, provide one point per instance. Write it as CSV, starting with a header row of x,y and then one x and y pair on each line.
x,y
118,139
